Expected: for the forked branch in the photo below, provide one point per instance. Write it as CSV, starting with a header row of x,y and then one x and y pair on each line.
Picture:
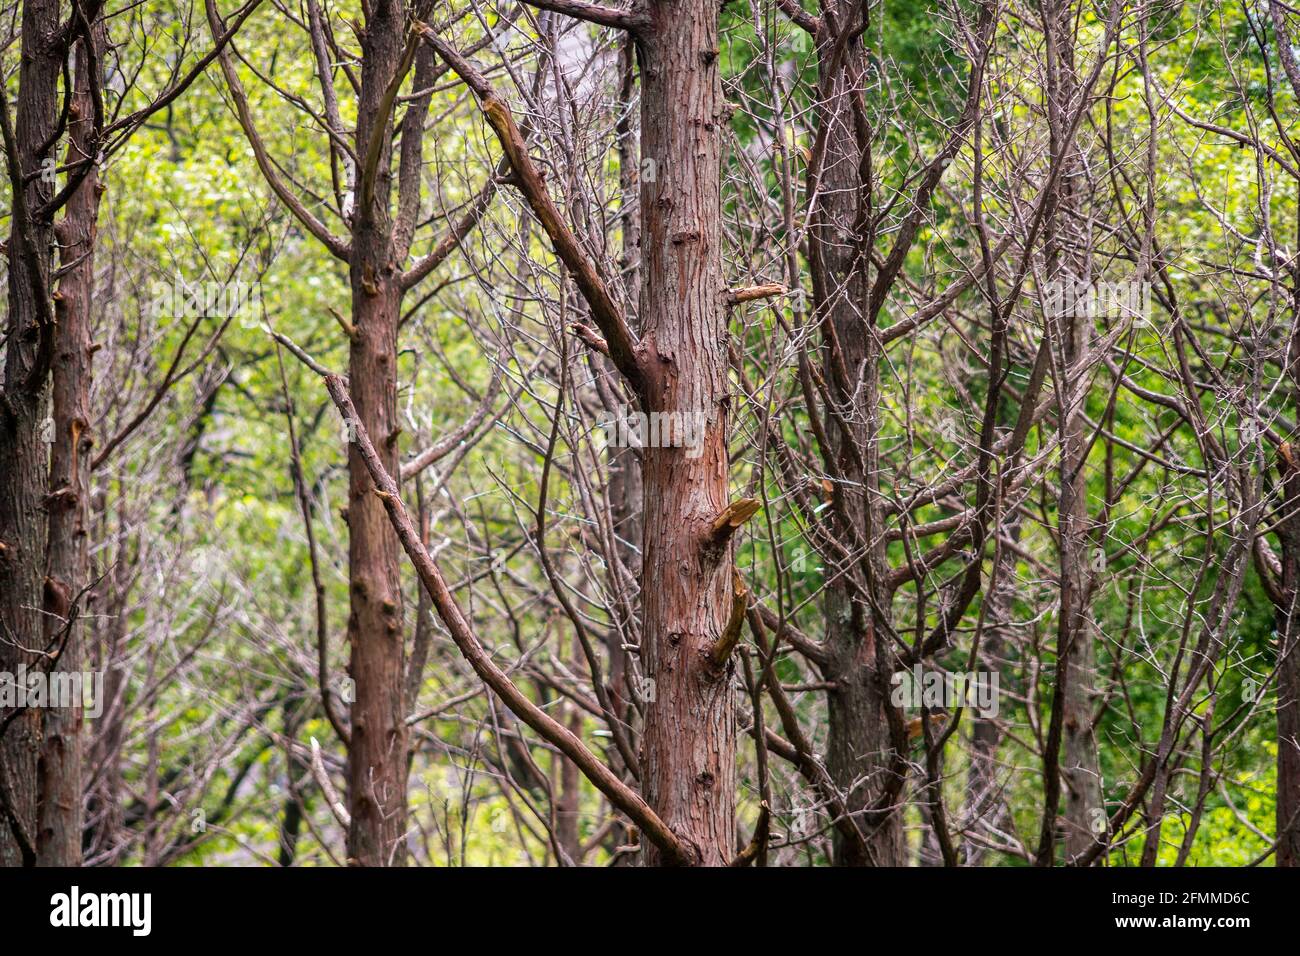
x,y
555,733
621,342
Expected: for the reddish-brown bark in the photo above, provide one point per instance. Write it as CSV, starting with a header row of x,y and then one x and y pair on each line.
x,y
689,742
59,814
377,766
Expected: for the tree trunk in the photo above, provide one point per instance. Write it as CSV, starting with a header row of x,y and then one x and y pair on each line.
x,y
689,741
1288,671
625,491
983,799
297,776
1081,768
23,449
1288,609
1288,629
108,649
60,811
858,743
377,765
568,804
1068,260
377,756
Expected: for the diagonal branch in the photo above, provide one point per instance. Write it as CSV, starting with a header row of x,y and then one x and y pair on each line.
x,y
336,805
633,20
555,733
623,347
335,245
933,173
379,132
452,240
800,16
452,439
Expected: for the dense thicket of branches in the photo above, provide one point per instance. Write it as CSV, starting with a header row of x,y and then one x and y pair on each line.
x,y
547,432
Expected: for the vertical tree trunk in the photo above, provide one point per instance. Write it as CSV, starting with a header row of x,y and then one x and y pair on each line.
x,y
982,798
1288,627
568,804
297,776
858,743
23,408
377,765
60,813
625,491
689,742
107,649
1288,672
377,756
1066,247
1288,610
625,497
1081,768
